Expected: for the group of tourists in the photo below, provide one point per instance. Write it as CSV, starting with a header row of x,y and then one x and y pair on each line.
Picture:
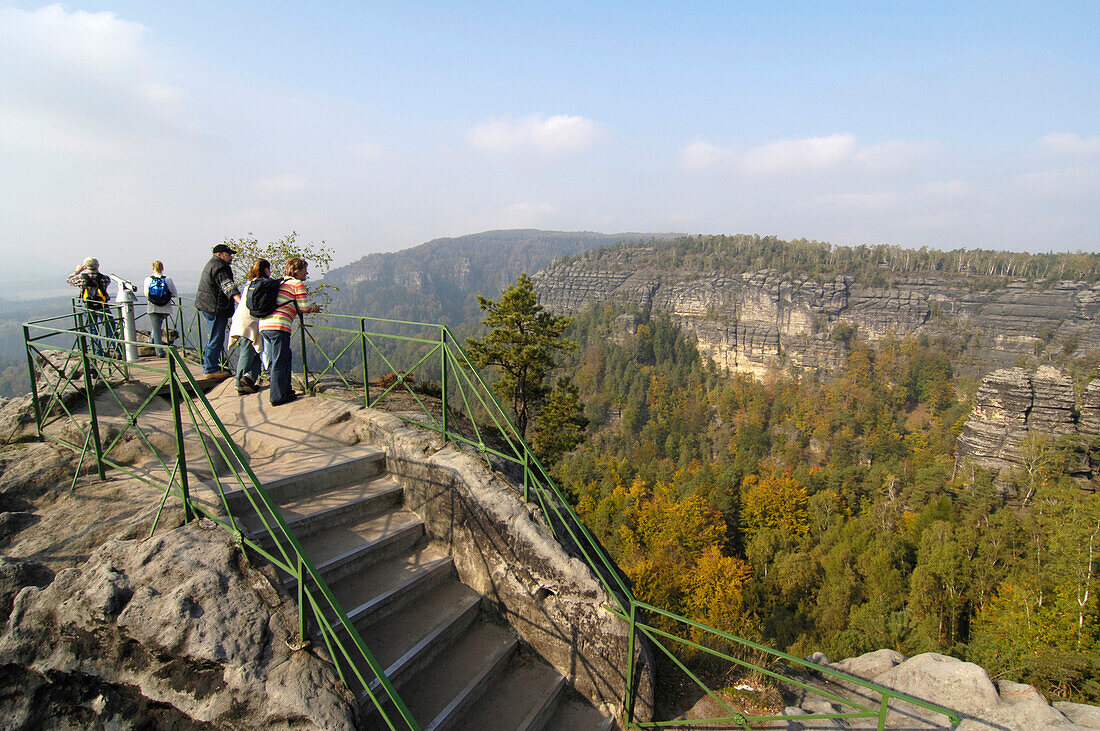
x,y
260,318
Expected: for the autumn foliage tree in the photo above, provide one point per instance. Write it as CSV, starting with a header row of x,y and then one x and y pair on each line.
x,y
774,499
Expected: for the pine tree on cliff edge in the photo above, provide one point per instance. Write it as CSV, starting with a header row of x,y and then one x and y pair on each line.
x,y
522,345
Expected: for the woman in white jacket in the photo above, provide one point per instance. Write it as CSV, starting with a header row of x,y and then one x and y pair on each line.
x,y
158,313
247,328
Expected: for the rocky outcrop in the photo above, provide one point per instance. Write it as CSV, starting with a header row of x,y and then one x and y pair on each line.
x,y
755,320
1013,403
961,686
173,631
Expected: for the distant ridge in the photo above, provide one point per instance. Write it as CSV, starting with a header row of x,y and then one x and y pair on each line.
x,y
439,281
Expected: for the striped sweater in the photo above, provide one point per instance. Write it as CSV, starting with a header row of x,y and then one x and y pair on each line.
x,y
291,291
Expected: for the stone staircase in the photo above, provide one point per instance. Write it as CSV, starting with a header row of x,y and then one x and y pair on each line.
x,y
454,661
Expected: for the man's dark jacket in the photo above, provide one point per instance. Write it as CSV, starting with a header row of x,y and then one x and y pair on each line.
x,y
216,289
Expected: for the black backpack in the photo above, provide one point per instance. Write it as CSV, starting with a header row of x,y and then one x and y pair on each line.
x,y
263,297
93,290
159,294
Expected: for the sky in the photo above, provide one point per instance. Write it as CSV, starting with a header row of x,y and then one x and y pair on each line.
x,y
137,130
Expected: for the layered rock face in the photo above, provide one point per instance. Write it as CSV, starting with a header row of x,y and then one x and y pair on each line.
x,y
1012,403
753,321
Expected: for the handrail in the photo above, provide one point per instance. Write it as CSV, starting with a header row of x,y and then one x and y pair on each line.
x,y
192,418
476,419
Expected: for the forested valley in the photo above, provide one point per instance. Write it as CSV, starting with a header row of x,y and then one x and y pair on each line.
x,y
830,515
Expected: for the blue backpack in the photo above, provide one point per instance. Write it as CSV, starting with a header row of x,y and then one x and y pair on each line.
x,y
159,294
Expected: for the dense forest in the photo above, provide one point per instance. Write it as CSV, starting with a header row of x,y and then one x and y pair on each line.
x,y
14,379
874,265
831,515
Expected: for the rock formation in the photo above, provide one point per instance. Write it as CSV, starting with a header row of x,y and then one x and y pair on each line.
x,y
755,320
175,631
1013,403
947,681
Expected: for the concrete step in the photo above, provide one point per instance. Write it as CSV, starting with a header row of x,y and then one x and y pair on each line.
x,y
407,641
577,714
347,549
391,584
524,698
441,692
334,472
312,513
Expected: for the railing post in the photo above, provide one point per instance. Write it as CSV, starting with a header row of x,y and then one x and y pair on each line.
x,y
34,380
181,458
302,601
628,701
94,425
884,707
199,320
363,350
305,361
443,375
527,475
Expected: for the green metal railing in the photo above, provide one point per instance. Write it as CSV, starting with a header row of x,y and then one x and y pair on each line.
x,y
72,368
419,372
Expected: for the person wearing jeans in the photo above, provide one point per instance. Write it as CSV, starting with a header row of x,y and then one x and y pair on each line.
x,y
276,329
158,314
245,330
214,298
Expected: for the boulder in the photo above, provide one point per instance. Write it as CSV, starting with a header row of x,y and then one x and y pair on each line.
x,y
28,471
179,628
16,573
960,686
1081,714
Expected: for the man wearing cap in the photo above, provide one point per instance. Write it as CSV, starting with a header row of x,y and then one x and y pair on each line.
x,y
215,298
93,295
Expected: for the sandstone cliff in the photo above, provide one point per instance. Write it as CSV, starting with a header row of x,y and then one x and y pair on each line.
x,y
751,321
1014,403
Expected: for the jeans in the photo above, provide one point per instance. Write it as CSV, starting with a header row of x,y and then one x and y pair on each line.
x,y
212,355
156,328
281,361
248,362
99,321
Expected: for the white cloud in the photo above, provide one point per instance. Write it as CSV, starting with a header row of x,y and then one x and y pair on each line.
x,y
801,155
1070,183
1067,143
892,155
702,155
81,83
805,155
281,183
37,130
81,40
559,134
